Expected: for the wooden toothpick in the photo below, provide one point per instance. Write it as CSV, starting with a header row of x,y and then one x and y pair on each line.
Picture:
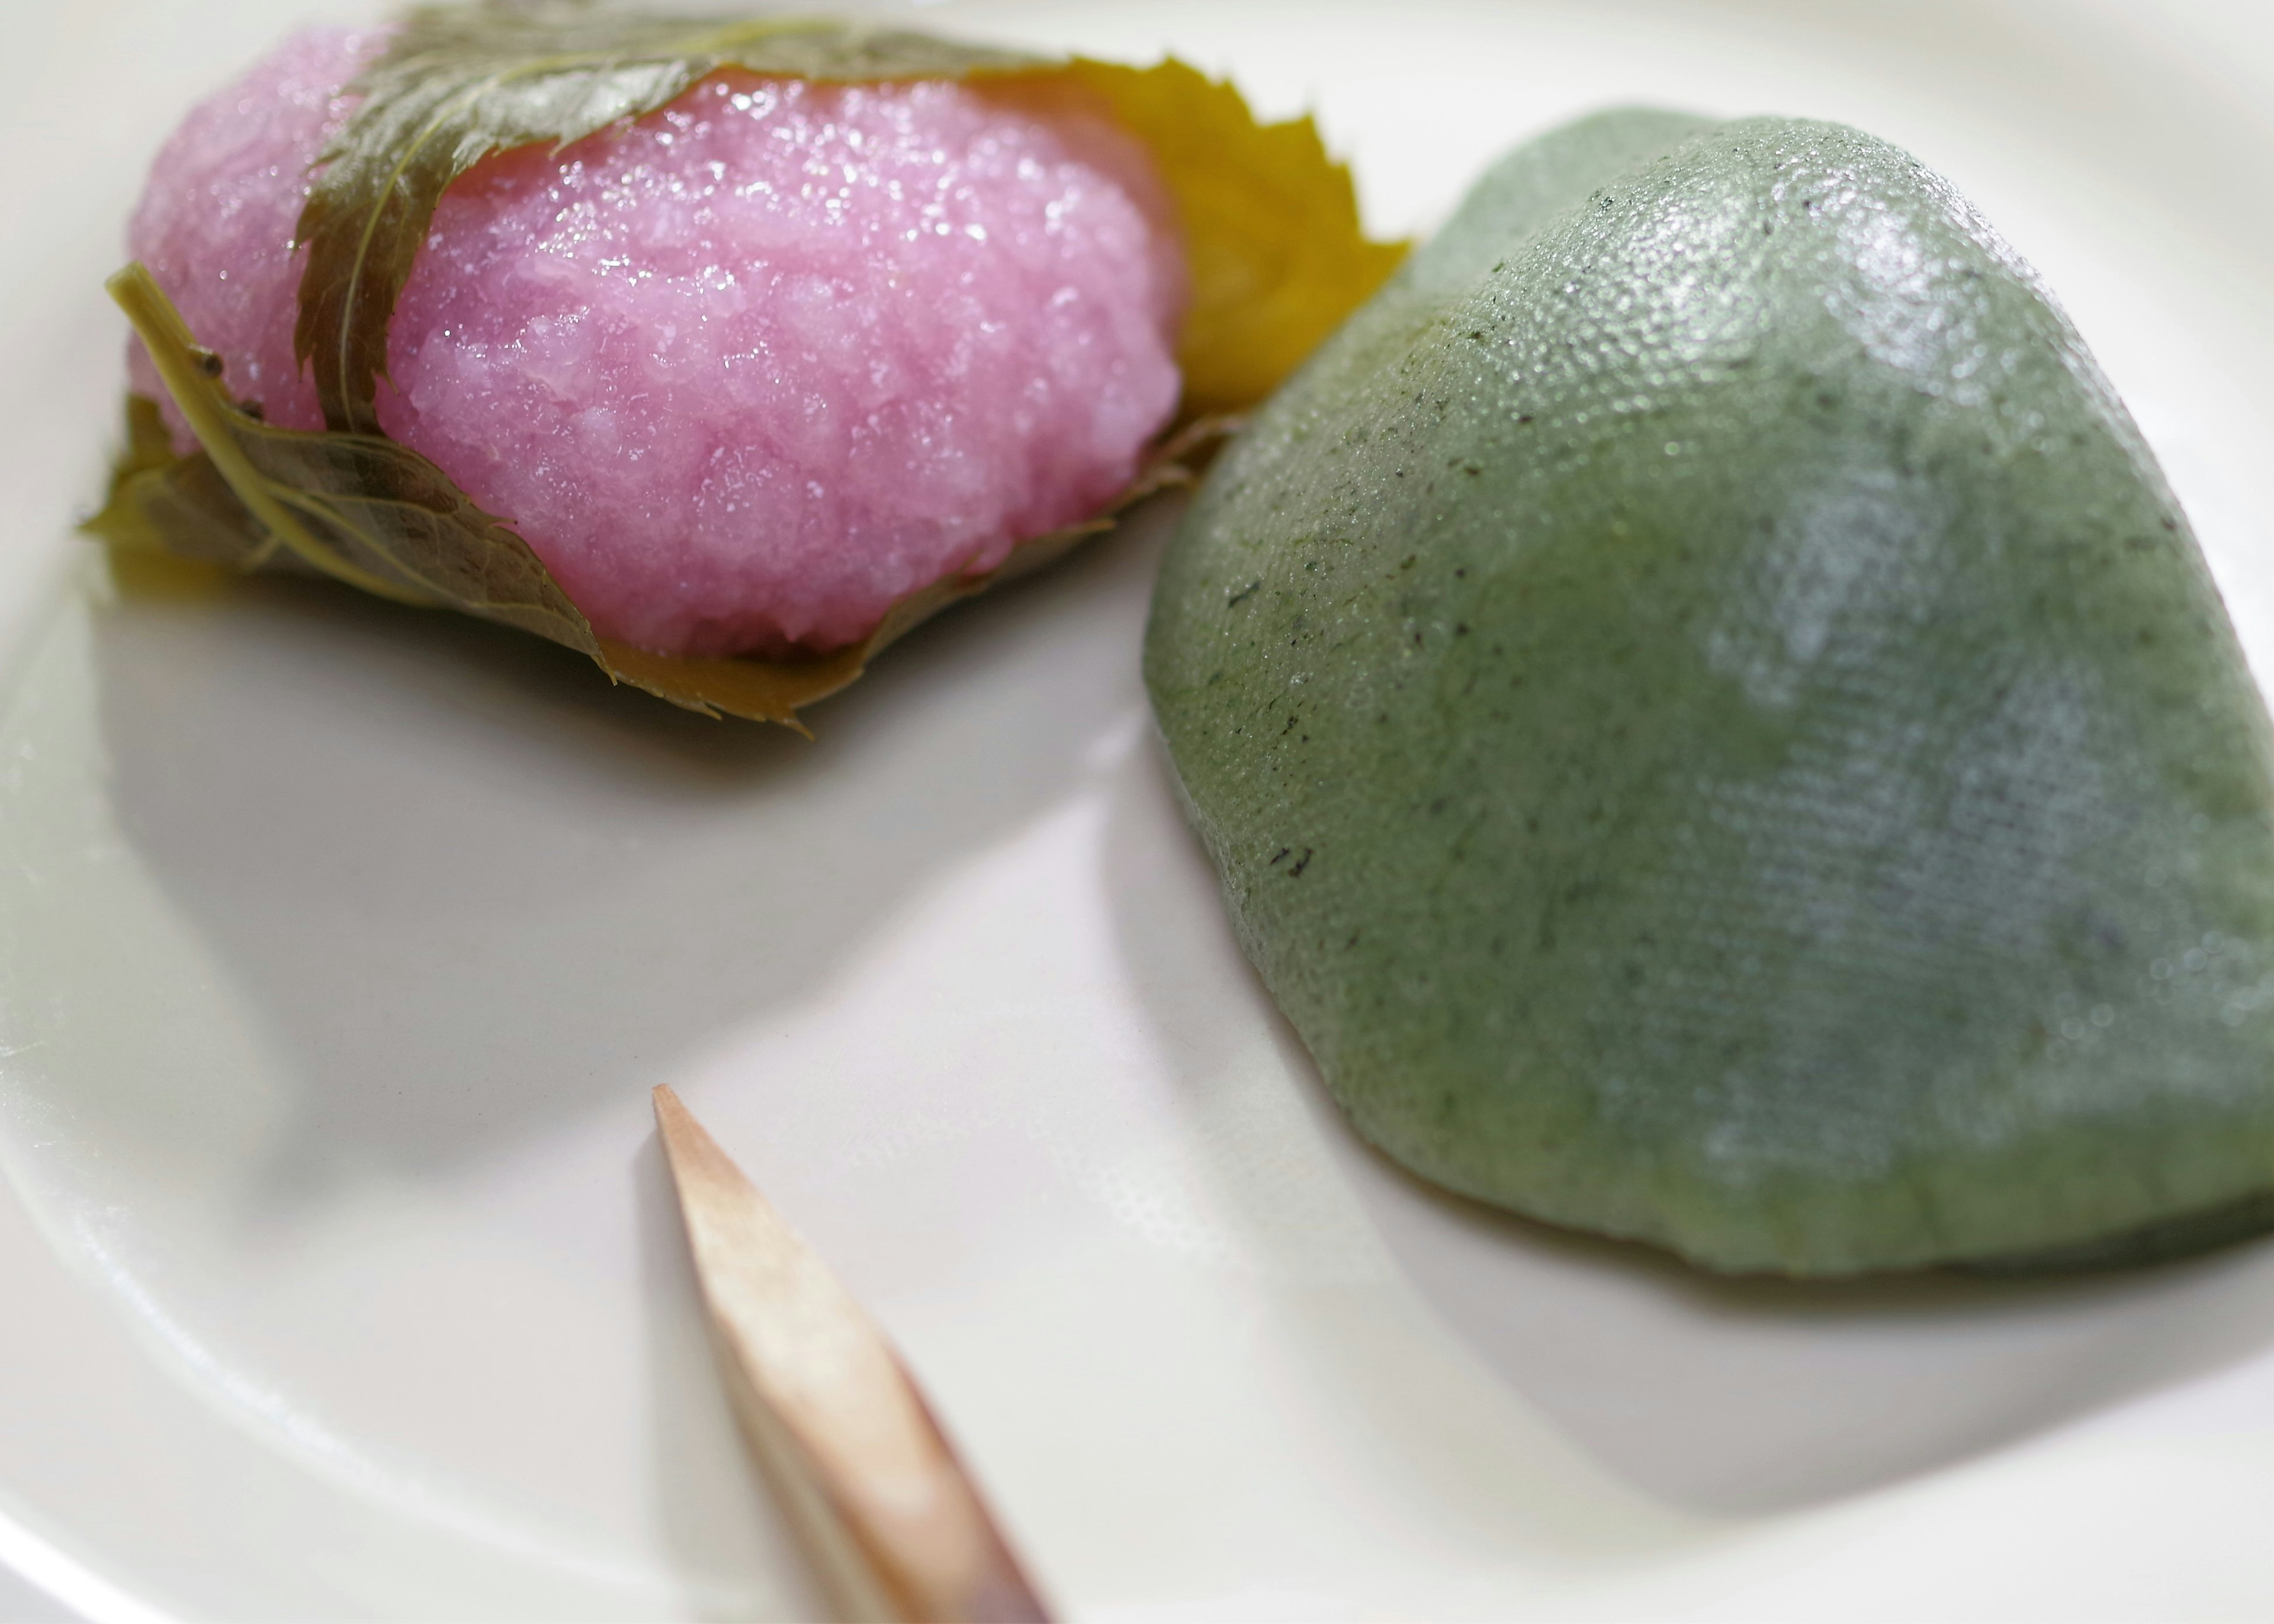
x,y
897,1526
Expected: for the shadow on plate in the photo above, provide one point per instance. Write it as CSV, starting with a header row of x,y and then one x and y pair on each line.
x,y
469,888
1731,1397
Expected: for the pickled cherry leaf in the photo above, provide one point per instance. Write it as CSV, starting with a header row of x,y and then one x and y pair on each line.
x,y
1277,252
1272,235
459,83
1273,242
363,509
358,508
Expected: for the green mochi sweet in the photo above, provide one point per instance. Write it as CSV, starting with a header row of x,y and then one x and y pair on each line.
x,y
1714,730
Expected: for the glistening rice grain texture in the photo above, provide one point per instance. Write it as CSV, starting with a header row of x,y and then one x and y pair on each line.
x,y
214,223
745,371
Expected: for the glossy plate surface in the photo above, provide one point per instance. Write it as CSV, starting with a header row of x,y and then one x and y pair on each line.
x,y
340,945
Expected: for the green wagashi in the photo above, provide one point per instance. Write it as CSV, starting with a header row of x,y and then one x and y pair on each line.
x,y
1714,729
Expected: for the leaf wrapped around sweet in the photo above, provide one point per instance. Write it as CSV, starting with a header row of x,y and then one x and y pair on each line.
x,y
459,83
1274,248
373,513
1715,731
356,507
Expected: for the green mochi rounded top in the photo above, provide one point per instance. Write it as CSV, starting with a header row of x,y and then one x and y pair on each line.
x,y
1713,728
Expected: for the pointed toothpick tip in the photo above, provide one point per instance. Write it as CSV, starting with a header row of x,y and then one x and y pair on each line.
x,y
894,1522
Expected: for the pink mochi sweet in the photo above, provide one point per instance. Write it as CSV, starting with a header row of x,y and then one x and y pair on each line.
x,y
744,371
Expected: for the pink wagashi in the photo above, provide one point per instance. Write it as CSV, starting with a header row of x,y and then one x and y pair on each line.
x,y
744,371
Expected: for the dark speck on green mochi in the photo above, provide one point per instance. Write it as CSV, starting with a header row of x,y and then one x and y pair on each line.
x,y
1714,730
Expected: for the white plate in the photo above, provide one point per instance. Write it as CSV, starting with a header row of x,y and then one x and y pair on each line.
x,y
341,946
